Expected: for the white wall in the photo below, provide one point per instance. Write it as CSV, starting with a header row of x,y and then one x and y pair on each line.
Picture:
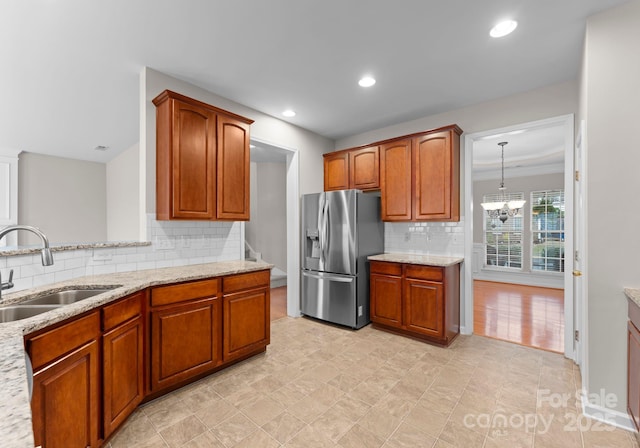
x,y
65,198
609,101
123,198
265,128
267,230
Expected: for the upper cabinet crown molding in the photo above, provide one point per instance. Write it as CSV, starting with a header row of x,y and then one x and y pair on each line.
x,y
202,160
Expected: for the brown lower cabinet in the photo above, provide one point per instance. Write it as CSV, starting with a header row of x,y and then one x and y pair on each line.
x,y
415,300
123,360
246,314
633,364
93,370
185,341
66,384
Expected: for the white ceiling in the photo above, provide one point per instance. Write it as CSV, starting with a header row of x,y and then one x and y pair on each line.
x,y
70,68
540,147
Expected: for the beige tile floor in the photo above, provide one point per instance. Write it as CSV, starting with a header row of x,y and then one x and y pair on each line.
x,y
322,386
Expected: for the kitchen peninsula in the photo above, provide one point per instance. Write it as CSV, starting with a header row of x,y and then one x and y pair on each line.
x,y
238,288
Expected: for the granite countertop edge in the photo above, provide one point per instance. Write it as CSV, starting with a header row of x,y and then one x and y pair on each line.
x,y
633,294
14,251
15,411
427,260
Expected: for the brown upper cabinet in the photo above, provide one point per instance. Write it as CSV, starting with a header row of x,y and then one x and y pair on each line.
x,y
436,176
352,169
420,176
202,161
395,183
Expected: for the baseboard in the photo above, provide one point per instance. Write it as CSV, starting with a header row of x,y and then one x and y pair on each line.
x,y
278,282
521,278
609,416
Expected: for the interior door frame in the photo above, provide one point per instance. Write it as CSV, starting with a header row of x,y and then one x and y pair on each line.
x,y
293,224
580,291
466,309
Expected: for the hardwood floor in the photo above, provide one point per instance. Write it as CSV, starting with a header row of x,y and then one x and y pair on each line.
x,y
278,302
526,315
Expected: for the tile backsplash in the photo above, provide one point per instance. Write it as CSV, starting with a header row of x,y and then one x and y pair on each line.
x,y
179,243
426,238
173,243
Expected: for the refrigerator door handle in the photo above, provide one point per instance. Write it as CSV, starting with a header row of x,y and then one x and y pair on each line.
x,y
324,232
328,277
327,241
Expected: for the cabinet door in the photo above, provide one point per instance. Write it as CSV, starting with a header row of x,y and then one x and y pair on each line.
x,y
633,374
246,323
395,180
436,189
193,162
233,169
66,400
386,299
364,168
123,375
185,341
424,307
336,171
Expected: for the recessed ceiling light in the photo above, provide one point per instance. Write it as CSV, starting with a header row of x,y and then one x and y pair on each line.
x,y
366,81
503,28
289,113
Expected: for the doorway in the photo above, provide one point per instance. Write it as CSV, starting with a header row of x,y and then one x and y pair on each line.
x,y
286,278
520,262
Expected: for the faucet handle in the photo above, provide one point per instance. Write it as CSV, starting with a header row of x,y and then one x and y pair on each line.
x,y
9,284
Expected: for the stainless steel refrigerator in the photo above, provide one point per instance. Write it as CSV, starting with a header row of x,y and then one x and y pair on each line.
x,y
339,230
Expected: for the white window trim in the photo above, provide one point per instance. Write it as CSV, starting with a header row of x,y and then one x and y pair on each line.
x,y
490,198
532,231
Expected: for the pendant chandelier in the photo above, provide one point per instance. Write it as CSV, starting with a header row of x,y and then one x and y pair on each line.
x,y
502,208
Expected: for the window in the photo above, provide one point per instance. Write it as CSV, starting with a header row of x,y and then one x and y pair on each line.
x,y
503,240
547,230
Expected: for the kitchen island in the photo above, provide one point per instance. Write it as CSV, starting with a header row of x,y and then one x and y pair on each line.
x,y
15,411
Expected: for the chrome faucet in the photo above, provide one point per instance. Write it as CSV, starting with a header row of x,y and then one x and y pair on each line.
x,y
45,252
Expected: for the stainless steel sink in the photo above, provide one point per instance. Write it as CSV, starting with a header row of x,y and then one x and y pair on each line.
x,y
66,297
17,312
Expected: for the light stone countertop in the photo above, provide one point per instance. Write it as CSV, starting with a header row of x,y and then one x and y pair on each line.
x,y
25,250
15,410
633,294
428,260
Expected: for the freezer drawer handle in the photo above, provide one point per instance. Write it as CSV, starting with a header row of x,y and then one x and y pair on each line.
x,y
327,277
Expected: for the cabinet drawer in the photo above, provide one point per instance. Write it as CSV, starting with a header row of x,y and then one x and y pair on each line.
x,y
241,282
383,267
52,344
165,295
121,311
424,272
